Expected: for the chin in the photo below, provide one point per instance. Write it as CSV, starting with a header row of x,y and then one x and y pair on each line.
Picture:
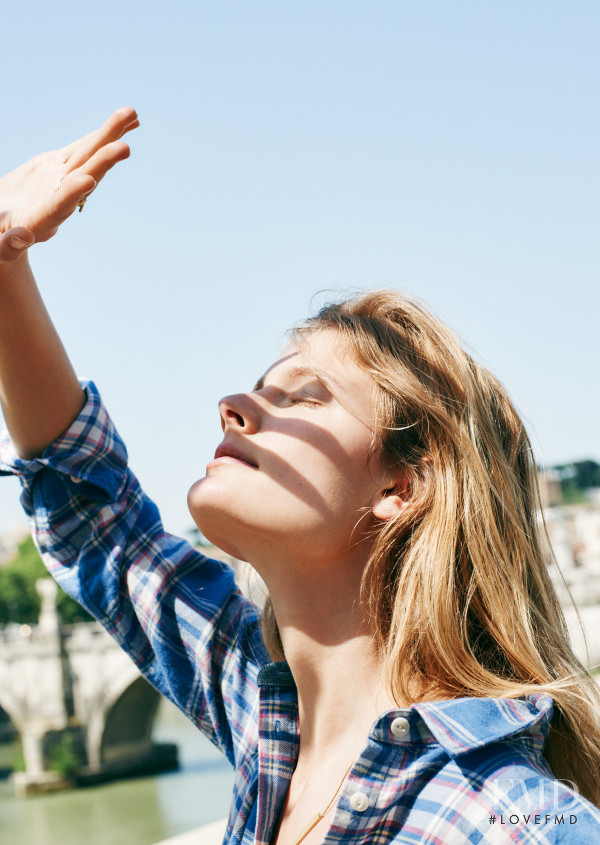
x,y
217,526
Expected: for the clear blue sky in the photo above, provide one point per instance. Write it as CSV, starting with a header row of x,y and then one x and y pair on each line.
x,y
451,149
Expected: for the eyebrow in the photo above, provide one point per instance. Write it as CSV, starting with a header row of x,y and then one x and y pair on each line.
x,y
294,373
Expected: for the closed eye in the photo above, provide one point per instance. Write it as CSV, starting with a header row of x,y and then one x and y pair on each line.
x,y
303,400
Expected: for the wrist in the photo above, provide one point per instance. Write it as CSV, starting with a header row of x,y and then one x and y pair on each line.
x,y
13,272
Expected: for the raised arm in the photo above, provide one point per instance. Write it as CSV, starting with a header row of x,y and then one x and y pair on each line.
x,y
39,392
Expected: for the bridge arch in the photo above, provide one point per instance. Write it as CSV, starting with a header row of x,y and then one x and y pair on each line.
x,y
121,719
129,722
113,708
11,705
9,736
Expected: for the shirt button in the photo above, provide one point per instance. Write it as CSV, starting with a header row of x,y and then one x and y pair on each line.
x,y
359,802
400,727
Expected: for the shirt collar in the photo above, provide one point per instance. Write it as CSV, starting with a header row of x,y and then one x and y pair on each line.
x,y
276,675
459,725
466,724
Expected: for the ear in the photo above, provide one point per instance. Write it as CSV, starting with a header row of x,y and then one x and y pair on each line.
x,y
392,499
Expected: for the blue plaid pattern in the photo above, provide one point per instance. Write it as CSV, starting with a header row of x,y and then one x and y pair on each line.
x,y
460,771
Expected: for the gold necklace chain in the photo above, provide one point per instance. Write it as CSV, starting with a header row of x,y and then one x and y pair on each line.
x,y
320,816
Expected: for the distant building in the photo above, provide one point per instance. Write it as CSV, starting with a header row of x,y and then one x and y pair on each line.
x,y
550,492
10,541
574,532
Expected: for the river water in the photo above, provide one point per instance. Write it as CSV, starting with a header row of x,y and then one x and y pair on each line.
x,y
141,811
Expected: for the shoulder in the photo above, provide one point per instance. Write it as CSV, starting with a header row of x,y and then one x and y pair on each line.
x,y
527,802
495,785
497,795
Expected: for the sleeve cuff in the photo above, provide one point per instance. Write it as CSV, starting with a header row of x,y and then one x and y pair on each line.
x,y
90,452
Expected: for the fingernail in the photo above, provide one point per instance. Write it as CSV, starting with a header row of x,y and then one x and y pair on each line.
x,y
18,243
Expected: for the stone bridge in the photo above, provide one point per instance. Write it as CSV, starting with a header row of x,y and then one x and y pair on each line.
x,y
75,685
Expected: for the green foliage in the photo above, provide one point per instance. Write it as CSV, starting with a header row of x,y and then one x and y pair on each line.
x,y
586,474
570,494
576,479
579,475
19,599
19,760
69,611
64,757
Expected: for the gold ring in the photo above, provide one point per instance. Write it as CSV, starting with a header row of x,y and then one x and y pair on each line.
x,y
81,203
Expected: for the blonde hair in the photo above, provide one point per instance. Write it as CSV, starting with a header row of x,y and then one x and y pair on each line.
x,y
457,587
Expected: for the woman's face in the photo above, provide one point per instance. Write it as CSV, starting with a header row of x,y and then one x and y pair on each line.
x,y
294,473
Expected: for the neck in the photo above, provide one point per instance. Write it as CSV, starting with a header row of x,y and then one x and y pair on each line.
x,y
328,645
340,691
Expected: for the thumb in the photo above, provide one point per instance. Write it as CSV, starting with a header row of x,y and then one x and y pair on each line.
x,y
15,242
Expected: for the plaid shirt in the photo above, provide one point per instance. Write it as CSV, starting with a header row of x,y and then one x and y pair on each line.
x,y
460,771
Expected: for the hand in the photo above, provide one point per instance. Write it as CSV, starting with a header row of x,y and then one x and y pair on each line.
x,y
39,195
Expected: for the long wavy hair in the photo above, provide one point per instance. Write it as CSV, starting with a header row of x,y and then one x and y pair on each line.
x,y
457,585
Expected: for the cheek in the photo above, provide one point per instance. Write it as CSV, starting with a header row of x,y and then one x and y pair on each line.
x,y
306,495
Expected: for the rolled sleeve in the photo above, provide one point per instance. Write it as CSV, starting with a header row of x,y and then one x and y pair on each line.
x,y
178,614
89,452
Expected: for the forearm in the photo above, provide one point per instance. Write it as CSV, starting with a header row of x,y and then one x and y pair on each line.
x,y
39,391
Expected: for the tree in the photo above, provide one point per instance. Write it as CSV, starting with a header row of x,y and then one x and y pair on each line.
x,y
19,599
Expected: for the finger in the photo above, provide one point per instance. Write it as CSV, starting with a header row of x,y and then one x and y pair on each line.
x,y
133,125
77,185
122,121
112,129
15,242
62,203
105,159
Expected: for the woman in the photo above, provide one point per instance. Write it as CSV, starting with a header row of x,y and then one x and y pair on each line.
x,y
382,484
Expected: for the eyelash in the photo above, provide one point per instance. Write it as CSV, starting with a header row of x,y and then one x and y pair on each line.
x,y
303,400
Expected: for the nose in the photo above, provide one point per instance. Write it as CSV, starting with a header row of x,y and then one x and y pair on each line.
x,y
239,411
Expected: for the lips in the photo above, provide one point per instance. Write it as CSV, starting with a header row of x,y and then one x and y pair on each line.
x,y
228,450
